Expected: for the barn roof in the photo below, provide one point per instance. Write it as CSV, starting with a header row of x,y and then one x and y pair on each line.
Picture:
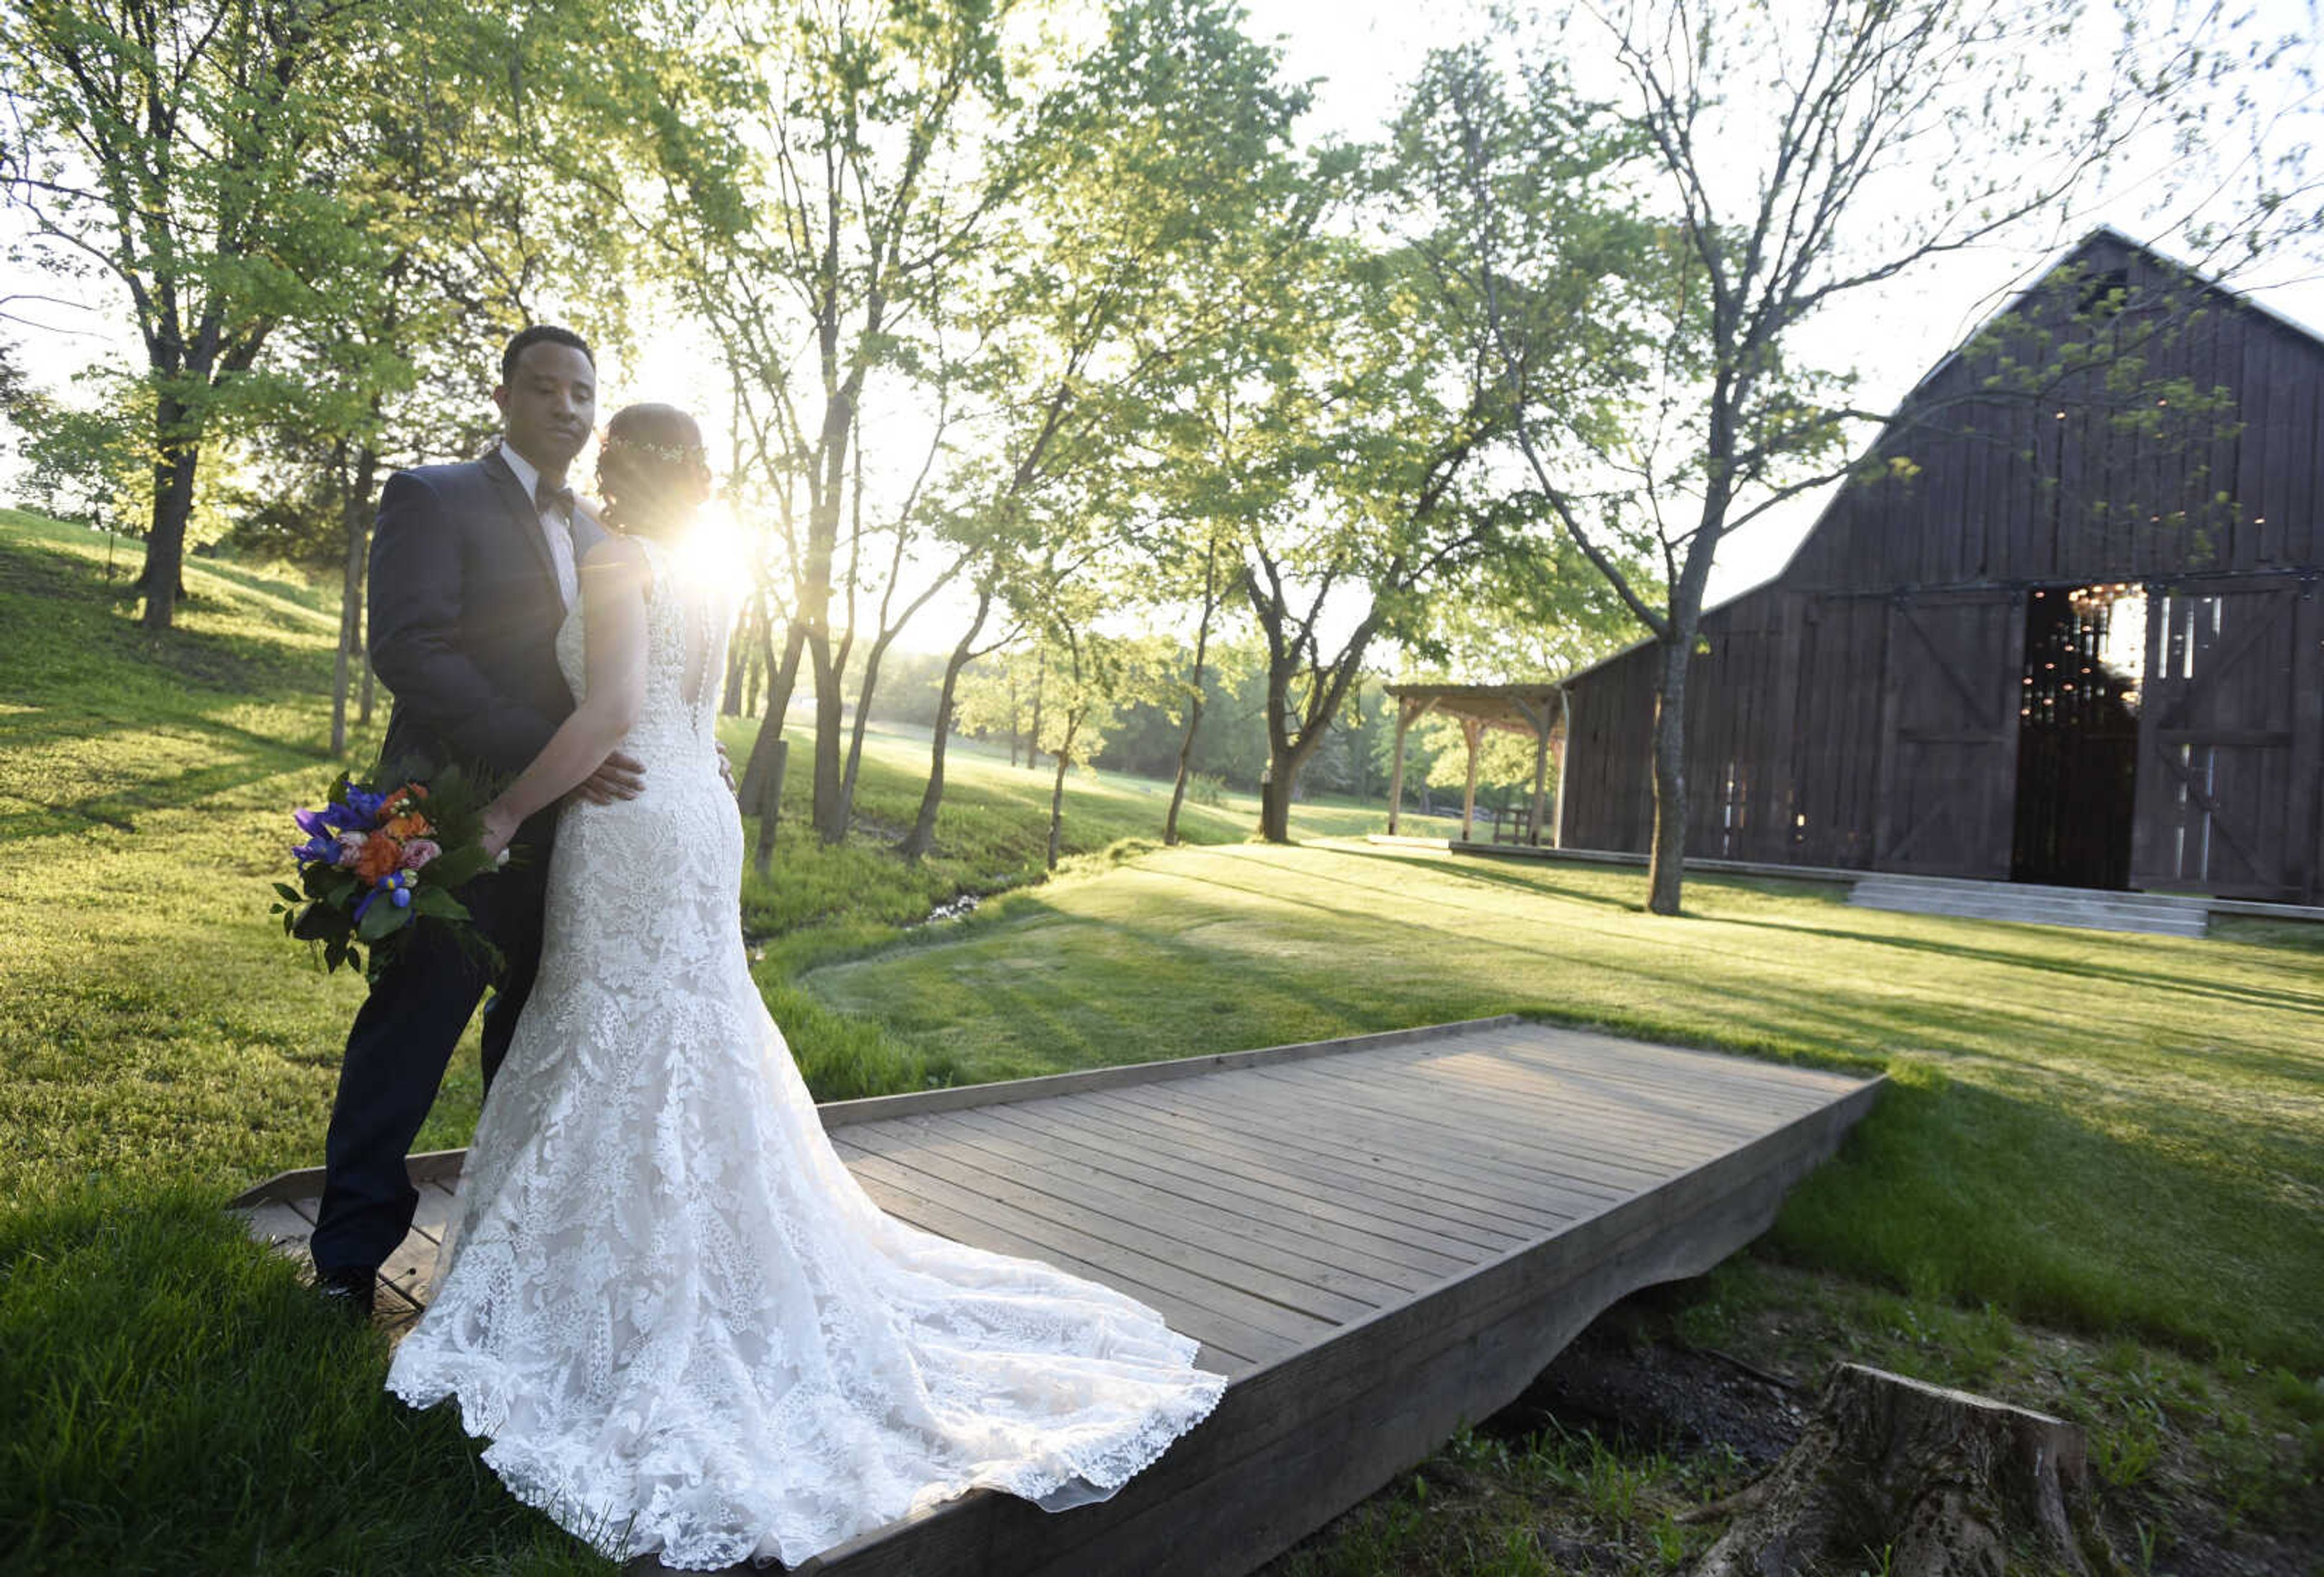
x,y
2101,236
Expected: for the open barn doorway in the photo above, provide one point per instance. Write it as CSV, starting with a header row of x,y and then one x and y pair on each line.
x,y
2078,735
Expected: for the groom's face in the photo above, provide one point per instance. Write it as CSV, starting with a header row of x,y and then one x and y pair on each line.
x,y
549,405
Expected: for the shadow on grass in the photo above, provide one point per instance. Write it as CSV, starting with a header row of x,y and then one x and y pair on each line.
x,y
180,1401
2188,982
1489,877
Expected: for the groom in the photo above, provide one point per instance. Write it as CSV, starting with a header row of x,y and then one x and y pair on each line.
x,y
473,567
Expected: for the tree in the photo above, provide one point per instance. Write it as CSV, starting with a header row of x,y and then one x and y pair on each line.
x,y
1389,416
468,231
1798,159
810,190
88,463
168,146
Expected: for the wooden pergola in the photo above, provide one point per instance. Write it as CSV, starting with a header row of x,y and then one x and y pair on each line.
x,y
1539,710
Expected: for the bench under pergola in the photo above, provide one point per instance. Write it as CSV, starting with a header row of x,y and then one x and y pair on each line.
x,y
1538,709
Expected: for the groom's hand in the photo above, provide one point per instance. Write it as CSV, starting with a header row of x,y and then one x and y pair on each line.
x,y
726,771
617,777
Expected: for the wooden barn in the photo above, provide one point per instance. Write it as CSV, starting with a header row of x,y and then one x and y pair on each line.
x,y
2077,640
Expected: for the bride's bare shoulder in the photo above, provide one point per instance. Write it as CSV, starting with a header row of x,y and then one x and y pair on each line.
x,y
619,561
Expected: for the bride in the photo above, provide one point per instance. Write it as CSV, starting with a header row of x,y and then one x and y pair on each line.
x,y
683,1325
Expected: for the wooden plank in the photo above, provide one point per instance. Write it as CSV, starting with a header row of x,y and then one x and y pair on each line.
x,y
1243,1346
1174,1168
1463,1208
1462,1230
1675,1068
404,1277
1560,1062
434,1213
875,1108
278,1224
1520,1147
1195,1221
1413,1265
982,1221
1241,1266
1583,1123
1711,1106
1586,1113
1531,1201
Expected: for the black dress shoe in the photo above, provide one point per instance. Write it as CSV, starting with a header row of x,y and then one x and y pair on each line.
x,y
350,1292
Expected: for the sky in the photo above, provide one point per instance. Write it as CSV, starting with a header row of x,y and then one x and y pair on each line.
x,y
1357,52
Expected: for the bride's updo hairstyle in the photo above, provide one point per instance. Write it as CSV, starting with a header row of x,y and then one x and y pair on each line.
x,y
653,470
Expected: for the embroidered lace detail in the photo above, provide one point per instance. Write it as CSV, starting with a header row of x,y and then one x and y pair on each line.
x,y
681,1322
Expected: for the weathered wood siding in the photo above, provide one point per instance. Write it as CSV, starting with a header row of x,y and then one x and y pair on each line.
x,y
1860,710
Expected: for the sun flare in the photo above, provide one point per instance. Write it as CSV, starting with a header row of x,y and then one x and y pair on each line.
x,y
715,550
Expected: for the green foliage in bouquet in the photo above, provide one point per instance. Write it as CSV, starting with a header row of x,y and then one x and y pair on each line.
x,y
377,864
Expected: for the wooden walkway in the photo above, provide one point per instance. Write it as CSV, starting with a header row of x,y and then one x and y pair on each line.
x,y
1379,1238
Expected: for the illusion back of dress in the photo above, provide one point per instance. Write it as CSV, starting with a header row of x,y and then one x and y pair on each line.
x,y
685,630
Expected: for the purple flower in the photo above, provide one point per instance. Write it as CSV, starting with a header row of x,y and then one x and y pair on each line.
x,y
359,814
321,848
312,824
350,848
418,852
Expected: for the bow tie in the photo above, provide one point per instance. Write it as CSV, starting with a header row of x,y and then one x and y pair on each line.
x,y
547,495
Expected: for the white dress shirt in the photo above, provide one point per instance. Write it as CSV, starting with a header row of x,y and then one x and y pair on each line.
x,y
556,529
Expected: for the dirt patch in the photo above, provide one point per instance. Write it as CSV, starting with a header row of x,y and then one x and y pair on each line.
x,y
1621,1383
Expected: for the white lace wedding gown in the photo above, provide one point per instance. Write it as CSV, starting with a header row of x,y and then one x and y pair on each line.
x,y
680,1321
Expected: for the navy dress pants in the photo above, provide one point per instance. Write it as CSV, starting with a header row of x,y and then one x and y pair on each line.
x,y
402,1040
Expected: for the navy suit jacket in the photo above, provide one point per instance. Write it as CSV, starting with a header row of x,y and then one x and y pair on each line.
x,y
464,613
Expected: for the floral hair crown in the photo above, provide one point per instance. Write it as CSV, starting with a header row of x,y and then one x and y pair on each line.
x,y
668,454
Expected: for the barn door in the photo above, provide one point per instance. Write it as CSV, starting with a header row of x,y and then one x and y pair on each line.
x,y
1948,728
2226,767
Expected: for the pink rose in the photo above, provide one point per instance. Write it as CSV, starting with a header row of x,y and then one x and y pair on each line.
x,y
350,848
416,852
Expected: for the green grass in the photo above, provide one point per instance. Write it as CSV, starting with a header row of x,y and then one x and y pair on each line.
x,y
2114,1133
2117,1135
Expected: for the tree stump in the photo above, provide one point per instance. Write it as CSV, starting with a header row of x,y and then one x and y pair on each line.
x,y
1939,1482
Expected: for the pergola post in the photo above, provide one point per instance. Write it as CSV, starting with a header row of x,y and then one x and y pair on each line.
x,y
1565,763
1407,709
1540,721
1471,729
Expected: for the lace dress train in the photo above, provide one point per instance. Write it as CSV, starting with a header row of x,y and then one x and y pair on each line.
x,y
681,1322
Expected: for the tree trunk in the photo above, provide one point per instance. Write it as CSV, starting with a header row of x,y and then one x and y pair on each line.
x,y
1185,757
1668,864
355,520
846,808
923,835
1033,737
830,726
731,702
1057,789
1194,705
778,702
1932,1483
163,580
770,802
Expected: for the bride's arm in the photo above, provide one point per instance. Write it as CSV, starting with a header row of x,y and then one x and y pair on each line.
x,y
614,577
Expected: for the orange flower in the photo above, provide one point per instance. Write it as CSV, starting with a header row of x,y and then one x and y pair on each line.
x,y
380,855
410,825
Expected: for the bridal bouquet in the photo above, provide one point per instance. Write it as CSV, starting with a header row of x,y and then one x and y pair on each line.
x,y
377,862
